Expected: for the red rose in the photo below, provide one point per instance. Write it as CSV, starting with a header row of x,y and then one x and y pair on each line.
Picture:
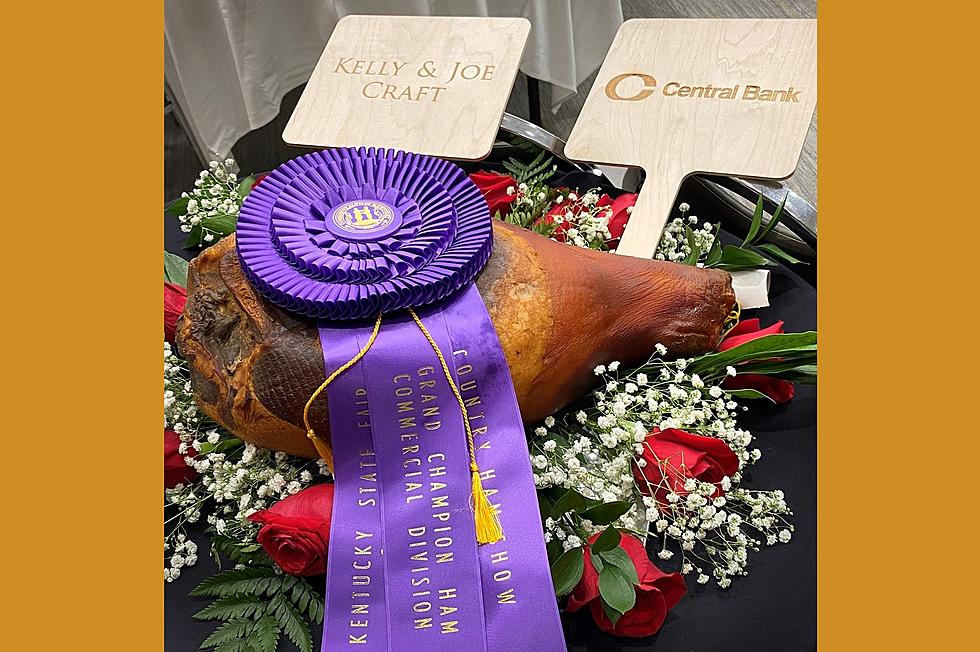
x,y
781,391
616,212
174,298
656,594
295,531
621,209
672,456
494,188
258,180
175,469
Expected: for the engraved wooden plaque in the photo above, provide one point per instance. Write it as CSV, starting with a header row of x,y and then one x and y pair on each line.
x,y
427,84
679,97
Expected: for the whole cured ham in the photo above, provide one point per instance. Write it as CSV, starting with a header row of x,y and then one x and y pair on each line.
x,y
558,310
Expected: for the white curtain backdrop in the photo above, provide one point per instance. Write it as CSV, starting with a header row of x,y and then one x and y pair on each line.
x,y
230,62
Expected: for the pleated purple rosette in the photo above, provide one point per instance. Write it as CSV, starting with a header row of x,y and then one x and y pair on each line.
x,y
348,233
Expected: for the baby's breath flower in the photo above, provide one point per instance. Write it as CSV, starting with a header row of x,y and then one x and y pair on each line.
x,y
600,452
215,195
232,483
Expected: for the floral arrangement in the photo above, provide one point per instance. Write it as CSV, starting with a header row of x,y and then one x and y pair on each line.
x,y
654,453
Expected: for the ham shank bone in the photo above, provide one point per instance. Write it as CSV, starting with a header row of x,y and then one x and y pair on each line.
x,y
558,310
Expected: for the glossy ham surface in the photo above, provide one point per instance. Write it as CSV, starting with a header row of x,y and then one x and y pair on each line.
x,y
559,311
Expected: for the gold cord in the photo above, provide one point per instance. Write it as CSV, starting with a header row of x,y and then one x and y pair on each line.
x,y
488,528
321,446
731,321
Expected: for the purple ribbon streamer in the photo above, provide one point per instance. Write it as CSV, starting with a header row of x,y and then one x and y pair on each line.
x,y
417,508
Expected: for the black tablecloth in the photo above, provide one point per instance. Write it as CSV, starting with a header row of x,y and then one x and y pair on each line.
x,y
774,608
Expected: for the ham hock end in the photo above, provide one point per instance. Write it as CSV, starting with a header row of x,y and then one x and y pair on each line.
x,y
559,311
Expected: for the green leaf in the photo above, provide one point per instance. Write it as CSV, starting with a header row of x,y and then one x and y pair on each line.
x,y
227,632
714,253
222,224
618,558
178,207
751,394
314,606
266,634
774,220
554,549
571,501
616,588
800,345
231,582
596,560
222,446
776,252
735,258
611,613
606,513
292,623
231,607
174,269
756,221
236,645
195,237
245,186
777,368
608,540
534,173
567,571
695,253
545,504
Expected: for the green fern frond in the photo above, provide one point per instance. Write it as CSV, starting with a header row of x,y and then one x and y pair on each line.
x,y
231,582
235,607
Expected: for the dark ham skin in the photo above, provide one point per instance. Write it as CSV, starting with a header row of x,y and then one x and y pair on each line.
x,y
559,311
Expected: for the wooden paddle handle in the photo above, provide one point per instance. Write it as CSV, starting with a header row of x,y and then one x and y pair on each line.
x,y
649,216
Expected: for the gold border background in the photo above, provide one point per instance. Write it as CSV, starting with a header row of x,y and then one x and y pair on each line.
x,y
81,324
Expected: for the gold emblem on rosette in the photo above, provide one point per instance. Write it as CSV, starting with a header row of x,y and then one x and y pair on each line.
x,y
363,215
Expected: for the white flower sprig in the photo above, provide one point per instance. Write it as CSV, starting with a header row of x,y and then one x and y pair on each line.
x,y
594,450
587,223
673,244
215,197
236,479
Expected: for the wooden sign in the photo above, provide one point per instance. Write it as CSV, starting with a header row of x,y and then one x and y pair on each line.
x,y
679,97
432,85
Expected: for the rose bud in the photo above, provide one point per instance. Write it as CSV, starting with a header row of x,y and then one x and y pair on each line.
x,y
175,469
673,457
295,530
779,390
494,188
656,594
174,298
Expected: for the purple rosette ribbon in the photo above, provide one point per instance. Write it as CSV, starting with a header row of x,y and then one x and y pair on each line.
x,y
349,234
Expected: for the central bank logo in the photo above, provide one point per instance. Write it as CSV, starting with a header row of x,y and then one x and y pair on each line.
x,y
614,92
636,86
362,215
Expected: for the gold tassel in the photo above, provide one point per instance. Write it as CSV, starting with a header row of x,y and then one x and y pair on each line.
x,y
731,321
488,528
321,448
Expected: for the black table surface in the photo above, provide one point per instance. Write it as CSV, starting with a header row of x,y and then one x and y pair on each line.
x,y
773,608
